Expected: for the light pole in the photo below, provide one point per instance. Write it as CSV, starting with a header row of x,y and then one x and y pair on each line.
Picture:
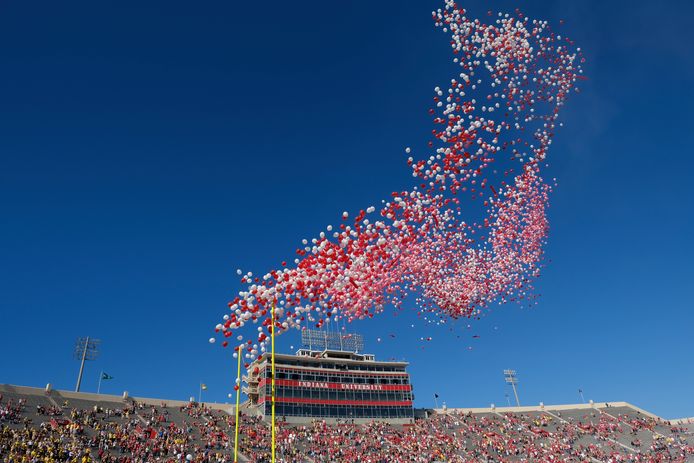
x,y
508,399
511,378
86,348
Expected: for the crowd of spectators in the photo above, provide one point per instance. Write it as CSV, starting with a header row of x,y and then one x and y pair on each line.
x,y
11,410
139,433
457,438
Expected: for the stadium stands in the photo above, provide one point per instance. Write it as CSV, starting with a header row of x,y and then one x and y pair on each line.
x,y
36,426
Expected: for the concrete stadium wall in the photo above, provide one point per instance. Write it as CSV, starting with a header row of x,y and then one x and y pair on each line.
x,y
537,408
116,399
419,413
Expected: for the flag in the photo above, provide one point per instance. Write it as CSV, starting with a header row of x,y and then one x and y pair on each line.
x,y
203,386
436,396
106,376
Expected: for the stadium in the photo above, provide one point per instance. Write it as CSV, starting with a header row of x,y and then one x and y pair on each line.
x,y
52,425
334,404
206,185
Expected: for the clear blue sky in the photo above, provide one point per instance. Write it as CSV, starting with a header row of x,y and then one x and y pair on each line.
x,y
148,149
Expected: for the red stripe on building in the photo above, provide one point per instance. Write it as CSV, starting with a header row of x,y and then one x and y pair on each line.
x,y
297,400
340,386
336,372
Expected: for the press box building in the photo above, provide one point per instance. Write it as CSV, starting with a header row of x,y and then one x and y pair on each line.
x,y
321,382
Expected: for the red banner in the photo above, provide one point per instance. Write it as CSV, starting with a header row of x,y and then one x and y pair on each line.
x,y
341,386
335,372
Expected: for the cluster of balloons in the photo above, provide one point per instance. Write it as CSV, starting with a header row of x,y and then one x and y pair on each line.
x,y
493,127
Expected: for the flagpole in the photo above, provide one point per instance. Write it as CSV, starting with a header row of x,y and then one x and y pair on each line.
x,y
272,387
101,376
200,393
238,398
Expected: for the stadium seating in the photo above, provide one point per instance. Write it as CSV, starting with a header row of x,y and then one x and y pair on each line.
x,y
62,426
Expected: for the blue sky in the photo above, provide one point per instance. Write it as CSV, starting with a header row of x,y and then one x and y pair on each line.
x,y
149,150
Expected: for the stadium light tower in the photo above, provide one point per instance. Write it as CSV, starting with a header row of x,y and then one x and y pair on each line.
x,y
85,349
511,378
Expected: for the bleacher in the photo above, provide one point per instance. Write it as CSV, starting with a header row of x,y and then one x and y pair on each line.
x,y
60,426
